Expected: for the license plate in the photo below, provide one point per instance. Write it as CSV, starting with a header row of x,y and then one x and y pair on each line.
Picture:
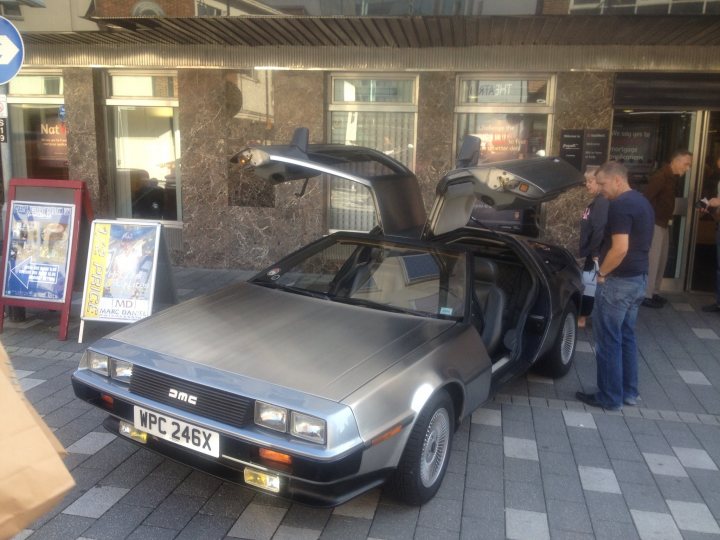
x,y
178,432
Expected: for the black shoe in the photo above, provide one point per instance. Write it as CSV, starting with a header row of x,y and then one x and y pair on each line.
x,y
591,400
652,303
660,299
712,308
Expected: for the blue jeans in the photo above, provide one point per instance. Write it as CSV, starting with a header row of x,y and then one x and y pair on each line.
x,y
614,315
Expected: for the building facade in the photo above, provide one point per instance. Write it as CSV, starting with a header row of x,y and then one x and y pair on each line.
x,y
148,101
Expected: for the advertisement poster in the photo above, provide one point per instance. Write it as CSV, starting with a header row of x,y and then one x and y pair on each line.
x,y
38,251
120,276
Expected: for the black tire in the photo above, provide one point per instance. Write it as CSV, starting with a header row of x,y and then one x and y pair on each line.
x,y
427,452
558,360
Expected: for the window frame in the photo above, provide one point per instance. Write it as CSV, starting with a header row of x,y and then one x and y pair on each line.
x,y
115,101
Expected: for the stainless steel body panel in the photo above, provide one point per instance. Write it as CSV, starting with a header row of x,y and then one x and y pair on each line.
x,y
310,345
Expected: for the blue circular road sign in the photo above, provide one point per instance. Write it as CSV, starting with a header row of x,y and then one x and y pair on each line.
x,y
12,50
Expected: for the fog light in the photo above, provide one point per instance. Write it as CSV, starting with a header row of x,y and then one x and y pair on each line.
x,y
128,430
270,482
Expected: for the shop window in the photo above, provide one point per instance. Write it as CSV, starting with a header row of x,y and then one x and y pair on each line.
x,y
37,132
510,115
376,112
145,148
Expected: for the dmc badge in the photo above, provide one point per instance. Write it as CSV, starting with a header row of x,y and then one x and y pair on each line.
x,y
273,272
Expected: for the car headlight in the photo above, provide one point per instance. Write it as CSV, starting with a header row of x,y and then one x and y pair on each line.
x,y
271,416
307,427
98,362
120,370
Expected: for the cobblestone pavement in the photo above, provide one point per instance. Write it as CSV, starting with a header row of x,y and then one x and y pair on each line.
x,y
534,463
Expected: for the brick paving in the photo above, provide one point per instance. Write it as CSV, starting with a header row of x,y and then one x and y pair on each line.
x,y
533,463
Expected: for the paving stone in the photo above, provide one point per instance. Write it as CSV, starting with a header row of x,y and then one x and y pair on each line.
x,y
485,454
614,530
553,442
175,511
694,377
524,496
209,527
516,413
483,529
483,477
557,463
452,486
118,522
520,448
257,522
705,333
391,521
664,465
96,502
583,346
680,489
152,490
591,456
643,497
91,443
579,419
145,532
695,458
693,517
519,430
426,533
653,444
342,527
582,436
521,524
63,526
360,507
655,526
293,533
626,450
522,470
440,514
636,472
562,488
569,516
487,417
486,434
483,505
598,479
133,470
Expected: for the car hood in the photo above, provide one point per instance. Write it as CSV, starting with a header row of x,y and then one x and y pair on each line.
x,y
312,345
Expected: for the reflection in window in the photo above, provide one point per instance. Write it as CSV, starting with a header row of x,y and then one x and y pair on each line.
x,y
505,135
147,158
38,141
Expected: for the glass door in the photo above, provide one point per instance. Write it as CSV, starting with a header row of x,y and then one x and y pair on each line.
x,y
644,141
702,259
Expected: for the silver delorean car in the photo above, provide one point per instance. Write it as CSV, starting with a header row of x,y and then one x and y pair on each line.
x,y
350,362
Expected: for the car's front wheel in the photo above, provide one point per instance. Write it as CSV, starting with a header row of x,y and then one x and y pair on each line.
x,y
558,360
427,452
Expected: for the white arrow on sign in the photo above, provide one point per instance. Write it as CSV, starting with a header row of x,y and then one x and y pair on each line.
x,y
8,50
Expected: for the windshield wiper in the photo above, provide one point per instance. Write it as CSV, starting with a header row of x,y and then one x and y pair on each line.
x,y
290,288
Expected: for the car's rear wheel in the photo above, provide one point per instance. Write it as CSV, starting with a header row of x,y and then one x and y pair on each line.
x,y
559,359
427,452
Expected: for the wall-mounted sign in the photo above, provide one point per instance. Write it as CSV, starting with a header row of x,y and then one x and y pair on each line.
x,y
12,51
584,147
37,254
120,275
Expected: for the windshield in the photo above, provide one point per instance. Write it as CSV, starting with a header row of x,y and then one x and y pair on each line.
x,y
377,274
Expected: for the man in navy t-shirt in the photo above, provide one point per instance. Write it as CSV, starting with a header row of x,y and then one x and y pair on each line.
x,y
621,288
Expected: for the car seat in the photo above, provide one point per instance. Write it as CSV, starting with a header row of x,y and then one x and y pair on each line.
x,y
491,302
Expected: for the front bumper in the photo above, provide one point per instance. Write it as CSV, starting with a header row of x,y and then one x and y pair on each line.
x,y
312,482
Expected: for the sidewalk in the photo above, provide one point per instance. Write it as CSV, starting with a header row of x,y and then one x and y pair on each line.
x,y
534,463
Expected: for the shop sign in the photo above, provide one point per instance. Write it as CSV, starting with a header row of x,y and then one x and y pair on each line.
x,y
38,251
52,143
3,132
498,92
582,148
121,269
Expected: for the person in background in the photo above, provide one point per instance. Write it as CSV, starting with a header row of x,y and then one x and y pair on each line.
x,y
592,229
660,191
621,283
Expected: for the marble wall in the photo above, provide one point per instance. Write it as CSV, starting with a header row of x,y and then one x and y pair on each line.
x,y
252,230
584,101
86,135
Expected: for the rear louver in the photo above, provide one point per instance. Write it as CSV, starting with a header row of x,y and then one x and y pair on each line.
x,y
210,402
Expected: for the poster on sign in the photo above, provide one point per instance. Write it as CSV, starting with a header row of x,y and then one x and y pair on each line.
x,y
120,275
37,256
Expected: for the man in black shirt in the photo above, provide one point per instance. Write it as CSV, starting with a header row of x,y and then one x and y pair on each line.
x,y
620,289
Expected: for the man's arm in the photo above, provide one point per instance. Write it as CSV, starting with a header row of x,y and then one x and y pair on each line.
x,y
654,186
616,254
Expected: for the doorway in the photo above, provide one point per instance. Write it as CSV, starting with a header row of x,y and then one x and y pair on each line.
x,y
702,259
644,141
